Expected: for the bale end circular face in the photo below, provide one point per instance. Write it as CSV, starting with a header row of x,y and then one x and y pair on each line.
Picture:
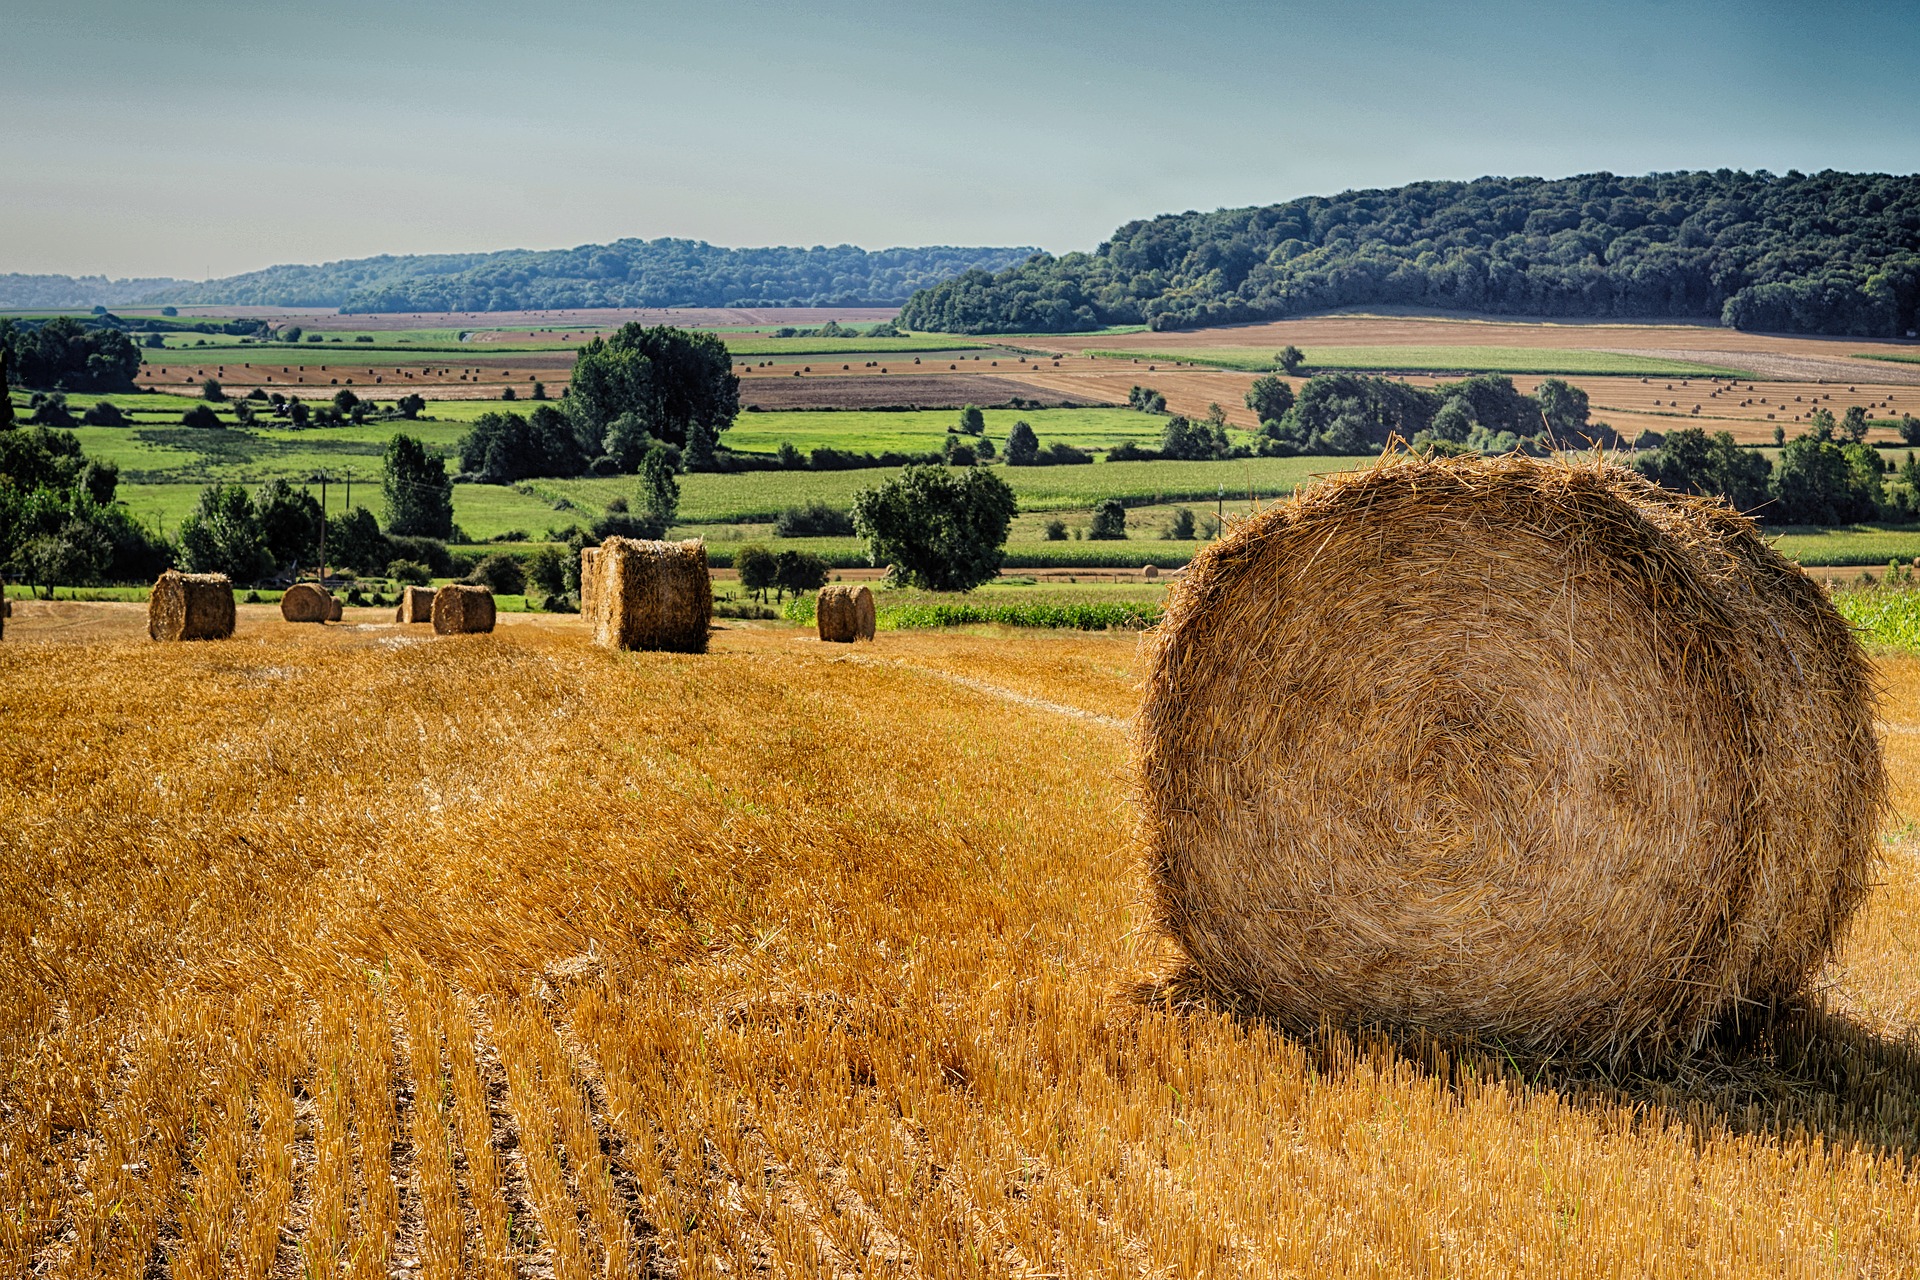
x,y
305,602
1509,748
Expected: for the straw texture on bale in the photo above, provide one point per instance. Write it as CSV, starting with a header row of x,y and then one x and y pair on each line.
x,y
844,613
416,605
190,606
459,609
304,602
334,609
651,595
588,555
1510,748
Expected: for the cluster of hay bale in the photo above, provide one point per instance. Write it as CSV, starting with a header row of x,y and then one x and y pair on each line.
x,y
1510,748
305,602
648,595
459,609
416,605
190,606
843,613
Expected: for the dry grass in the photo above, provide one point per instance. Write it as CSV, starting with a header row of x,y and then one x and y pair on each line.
x,y
771,962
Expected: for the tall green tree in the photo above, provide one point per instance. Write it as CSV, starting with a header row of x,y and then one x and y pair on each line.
x,y
1270,398
223,535
669,380
290,523
937,529
417,489
1691,461
1023,447
658,489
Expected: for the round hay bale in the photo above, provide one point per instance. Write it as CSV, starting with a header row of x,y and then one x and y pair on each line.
x,y
305,602
460,609
334,609
416,605
1510,748
190,606
650,595
1151,572
843,612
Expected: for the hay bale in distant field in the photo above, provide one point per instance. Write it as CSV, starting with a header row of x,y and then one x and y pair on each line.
x,y
416,605
334,610
190,606
1509,748
1151,572
587,557
651,595
460,609
305,602
844,612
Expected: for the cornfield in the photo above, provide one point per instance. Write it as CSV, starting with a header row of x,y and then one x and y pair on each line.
x,y
330,951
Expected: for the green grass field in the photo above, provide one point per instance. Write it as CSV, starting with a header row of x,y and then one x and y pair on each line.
x,y
1859,544
917,431
1436,360
1899,357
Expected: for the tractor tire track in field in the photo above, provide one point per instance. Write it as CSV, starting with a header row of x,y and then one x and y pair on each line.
x,y
993,691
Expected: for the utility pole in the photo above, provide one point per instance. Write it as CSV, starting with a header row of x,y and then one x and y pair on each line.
x,y
323,531
349,507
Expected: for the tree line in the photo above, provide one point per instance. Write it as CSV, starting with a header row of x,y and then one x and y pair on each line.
x,y
1822,253
626,273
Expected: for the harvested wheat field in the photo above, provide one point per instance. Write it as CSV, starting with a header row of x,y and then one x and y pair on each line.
x,y
545,959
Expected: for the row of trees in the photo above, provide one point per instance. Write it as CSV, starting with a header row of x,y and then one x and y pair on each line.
x,y
1822,478
626,273
63,354
1822,253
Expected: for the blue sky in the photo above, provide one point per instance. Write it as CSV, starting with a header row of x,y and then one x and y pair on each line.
x,y
178,138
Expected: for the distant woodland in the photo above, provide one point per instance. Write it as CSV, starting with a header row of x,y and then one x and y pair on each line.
x,y
626,273
1829,252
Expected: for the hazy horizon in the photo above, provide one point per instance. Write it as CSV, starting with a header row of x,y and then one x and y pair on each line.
x,y
215,138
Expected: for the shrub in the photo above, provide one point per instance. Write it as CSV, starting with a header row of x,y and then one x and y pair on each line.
x,y
408,573
1128,451
104,414
201,415
938,529
798,571
757,567
430,552
1056,530
1180,526
1109,521
501,574
815,520
210,390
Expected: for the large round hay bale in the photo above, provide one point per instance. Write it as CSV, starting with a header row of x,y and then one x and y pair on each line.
x,y
651,595
416,605
843,612
305,602
190,606
460,609
1509,748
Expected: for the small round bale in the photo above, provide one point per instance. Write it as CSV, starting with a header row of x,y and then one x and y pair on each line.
x,y
334,609
843,613
651,595
1506,748
305,602
1151,572
190,606
460,609
416,605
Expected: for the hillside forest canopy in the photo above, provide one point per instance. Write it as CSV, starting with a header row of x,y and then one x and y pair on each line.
x,y
1833,253
626,273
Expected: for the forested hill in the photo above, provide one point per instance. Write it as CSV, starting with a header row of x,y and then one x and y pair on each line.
x,y
626,273
1821,253
31,293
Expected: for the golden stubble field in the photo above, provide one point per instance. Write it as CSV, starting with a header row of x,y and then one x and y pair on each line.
x,y
346,951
